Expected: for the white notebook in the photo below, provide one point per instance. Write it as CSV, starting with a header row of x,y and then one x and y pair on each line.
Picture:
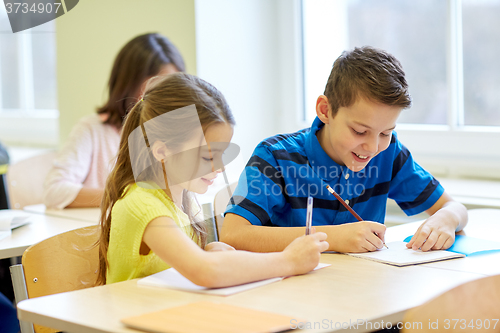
x,y
398,255
11,219
171,278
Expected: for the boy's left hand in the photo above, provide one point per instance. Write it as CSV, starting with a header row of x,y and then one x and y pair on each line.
x,y
436,233
218,246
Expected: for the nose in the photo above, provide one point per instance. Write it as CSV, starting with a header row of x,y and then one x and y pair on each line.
x,y
217,165
371,144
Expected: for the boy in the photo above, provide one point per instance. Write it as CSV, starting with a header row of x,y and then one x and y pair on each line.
x,y
352,148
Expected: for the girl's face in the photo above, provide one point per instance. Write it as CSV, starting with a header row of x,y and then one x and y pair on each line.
x,y
197,167
165,70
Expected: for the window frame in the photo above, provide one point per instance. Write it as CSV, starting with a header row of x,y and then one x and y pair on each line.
x,y
27,125
454,149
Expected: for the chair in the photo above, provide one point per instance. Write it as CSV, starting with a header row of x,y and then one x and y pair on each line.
x,y
475,303
64,262
25,180
221,200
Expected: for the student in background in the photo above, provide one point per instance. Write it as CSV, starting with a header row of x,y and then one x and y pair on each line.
x,y
79,173
352,147
171,145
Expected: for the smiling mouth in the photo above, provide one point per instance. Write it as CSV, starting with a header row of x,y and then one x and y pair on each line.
x,y
361,156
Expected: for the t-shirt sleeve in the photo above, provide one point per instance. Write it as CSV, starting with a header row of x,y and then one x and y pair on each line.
x,y
412,187
260,191
70,169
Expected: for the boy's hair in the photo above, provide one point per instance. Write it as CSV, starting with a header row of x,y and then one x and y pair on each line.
x,y
168,93
369,73
141,58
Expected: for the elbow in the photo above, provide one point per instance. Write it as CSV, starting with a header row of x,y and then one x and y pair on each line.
x,y
208,275
227,235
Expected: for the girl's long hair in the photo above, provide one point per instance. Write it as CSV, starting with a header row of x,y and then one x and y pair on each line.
x,y
141,58
170,93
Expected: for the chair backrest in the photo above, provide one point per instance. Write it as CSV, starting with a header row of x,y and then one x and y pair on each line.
x,y
221,200
25,180
476,302
64,262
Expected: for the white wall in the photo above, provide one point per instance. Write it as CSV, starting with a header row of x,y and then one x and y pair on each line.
x,y
240,52
90,36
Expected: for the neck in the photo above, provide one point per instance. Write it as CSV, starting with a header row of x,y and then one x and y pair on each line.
x,y
325,143
176,195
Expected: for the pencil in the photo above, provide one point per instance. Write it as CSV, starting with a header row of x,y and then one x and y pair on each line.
x,y
309,215
346,205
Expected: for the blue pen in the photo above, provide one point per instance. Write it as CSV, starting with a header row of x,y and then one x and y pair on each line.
x,y
309,215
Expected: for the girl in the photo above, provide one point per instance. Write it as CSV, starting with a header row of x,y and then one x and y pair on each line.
x,y
148,220
79,173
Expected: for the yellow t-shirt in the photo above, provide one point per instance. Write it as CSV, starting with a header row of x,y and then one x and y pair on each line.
x,y
129,218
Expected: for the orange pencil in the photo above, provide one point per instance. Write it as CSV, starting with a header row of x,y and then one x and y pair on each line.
x,y
345,205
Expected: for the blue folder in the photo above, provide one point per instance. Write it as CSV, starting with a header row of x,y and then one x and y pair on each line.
x,y
470,245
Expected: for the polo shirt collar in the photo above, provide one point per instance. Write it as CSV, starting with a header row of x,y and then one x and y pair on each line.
x,y
317,156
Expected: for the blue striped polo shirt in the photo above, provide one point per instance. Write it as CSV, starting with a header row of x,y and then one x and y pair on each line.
x,y
285,169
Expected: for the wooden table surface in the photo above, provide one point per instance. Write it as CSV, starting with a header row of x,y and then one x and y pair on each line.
x,y
350,291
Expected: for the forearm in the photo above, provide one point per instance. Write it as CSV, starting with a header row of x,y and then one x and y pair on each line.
x,y
242,235
227,268
87,197
239,233
455,212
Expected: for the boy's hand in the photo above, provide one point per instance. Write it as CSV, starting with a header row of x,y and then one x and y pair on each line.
x,y
364,236
218,246
436,233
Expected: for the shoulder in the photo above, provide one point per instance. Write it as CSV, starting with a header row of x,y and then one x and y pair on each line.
x,y
141,198
94,123
288,146
285,141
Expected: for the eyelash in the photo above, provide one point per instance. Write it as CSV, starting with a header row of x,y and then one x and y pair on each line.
x,y
208,159
362,133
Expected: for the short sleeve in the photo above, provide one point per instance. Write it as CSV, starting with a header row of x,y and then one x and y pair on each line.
x,y
259,194
412,187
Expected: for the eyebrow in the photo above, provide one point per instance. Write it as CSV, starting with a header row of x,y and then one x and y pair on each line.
x,y
389,129
205,148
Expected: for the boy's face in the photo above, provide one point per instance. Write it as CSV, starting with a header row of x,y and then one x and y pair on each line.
x,y
357,133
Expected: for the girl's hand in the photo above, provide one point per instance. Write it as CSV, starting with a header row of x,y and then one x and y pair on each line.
x,y
304,252
218,246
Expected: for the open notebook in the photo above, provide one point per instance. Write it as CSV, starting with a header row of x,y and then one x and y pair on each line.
x,y
171,278
209,317
11,219
398,255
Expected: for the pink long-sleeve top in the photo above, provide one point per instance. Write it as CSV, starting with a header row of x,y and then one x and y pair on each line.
x,y
85,161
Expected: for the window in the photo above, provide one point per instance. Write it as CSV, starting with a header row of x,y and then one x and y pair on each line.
x,y
448,50
28,90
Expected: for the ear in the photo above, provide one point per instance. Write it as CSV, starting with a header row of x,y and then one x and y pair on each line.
x,y
159,150
323,109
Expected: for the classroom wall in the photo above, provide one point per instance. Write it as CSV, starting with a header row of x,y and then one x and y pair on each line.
x,y
244,49
90,36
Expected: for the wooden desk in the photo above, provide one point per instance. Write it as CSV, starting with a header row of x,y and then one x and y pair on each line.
x,y
82,214
41,227
350,291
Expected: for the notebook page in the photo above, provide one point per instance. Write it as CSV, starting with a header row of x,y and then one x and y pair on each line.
x,y
171,278
10,219
398,255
